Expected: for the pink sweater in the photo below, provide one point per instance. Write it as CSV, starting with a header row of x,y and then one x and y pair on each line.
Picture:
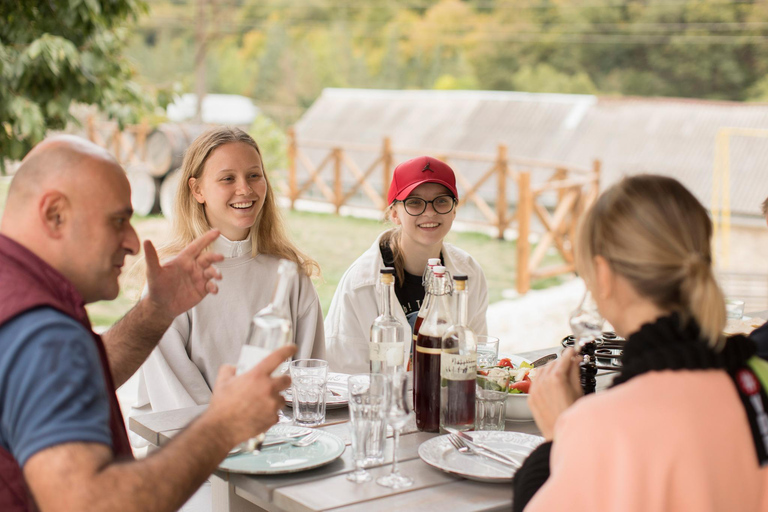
x,y
663,441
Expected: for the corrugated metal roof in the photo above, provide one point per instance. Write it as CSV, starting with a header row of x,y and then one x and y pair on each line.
x,y
674,137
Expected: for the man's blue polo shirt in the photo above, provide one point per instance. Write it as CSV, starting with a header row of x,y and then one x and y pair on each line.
x,y
52,387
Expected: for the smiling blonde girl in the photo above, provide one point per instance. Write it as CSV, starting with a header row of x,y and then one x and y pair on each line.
x,y
224,186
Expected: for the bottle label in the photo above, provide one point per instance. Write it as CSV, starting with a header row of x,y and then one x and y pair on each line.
x,y
458,367
250,356
388,353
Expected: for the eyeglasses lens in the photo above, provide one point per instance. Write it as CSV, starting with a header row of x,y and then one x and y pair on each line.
x,y
416,206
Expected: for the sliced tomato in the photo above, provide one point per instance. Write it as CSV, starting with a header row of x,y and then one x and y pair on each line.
x,y
506,362
523,386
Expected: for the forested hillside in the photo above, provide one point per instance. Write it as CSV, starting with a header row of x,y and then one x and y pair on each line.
x,y
283,52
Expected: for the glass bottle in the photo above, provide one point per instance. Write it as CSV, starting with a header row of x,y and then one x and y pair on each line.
x,y
388,334
586,324
458,367
426,362
271,328
426,281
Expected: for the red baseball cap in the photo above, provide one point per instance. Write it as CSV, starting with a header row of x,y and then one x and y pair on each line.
x,y
423,169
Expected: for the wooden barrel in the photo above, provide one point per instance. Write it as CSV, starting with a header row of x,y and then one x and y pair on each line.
x,y
167,143
168,193
144,188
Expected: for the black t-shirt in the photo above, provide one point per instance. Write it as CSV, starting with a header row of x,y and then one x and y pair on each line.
x,y
410,294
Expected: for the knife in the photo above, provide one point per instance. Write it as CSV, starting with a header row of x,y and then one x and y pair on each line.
x,y
543,360
474,444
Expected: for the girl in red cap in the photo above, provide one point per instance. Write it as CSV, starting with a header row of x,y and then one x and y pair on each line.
x,y
422,205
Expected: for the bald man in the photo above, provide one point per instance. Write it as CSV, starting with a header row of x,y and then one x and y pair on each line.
x,y
63,446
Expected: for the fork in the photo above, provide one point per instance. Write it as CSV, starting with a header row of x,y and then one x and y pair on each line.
x,y
462,447
304,441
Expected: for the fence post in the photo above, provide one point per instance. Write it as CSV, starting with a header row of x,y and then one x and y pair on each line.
x,y
524,207
90,129
386,175
292,186
117,149
597,166
501,190
338,193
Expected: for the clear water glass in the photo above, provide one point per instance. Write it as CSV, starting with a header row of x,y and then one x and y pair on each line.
x,y
734,309
487,350
308,381
491,399
369,395
398,414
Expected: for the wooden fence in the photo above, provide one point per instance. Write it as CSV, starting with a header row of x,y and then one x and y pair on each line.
x,y
575,188
128,145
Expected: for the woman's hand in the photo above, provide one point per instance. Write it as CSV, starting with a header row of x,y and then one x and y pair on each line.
x,y
555,387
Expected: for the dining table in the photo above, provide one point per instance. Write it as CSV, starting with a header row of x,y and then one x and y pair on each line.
x,y
326,488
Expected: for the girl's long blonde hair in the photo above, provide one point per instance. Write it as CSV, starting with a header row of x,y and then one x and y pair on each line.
x,y
656,234
268,234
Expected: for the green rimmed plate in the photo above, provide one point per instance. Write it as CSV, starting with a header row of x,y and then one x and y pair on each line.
x,y
286,458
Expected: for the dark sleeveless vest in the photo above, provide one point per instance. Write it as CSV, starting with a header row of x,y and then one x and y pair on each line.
x,y
27,282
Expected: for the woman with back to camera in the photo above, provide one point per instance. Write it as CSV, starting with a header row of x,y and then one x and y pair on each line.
x,y
422,204
683,426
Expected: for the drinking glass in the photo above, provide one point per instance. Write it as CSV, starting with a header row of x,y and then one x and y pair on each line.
x,y
491,399
368,406
734,309
487,350
398,414
308,378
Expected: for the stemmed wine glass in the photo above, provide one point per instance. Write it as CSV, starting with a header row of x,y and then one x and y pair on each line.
x,y
586,321
397,417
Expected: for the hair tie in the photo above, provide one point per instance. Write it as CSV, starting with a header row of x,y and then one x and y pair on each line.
x,y
693,260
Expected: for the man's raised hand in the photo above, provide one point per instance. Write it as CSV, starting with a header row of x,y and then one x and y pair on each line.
x,y
181,283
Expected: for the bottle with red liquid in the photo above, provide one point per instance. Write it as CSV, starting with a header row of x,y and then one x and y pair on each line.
x,y
458,367
426,281
429,347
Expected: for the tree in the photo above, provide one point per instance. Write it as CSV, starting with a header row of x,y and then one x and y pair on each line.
x,y
56,53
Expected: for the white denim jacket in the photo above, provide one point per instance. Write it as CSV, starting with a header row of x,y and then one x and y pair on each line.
x,y
355,306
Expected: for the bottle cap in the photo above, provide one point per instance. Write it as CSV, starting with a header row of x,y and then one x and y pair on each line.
x,y
439,270
433,262
460,278
387,270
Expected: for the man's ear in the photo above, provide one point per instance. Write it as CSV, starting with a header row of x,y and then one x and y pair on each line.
x,y
55,213
604,276
194,187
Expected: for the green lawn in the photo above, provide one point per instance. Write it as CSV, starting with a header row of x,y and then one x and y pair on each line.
x,y
335,242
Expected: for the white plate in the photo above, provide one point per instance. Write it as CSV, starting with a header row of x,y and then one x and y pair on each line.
x,y
286,458
438,452
337,395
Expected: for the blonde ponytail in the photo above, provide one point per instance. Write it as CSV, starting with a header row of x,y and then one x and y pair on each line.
x,y
703,298
656,234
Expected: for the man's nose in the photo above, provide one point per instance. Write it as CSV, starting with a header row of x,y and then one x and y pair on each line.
x,y
131,242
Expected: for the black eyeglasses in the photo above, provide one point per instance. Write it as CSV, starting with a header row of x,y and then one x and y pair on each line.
x,y
415,206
